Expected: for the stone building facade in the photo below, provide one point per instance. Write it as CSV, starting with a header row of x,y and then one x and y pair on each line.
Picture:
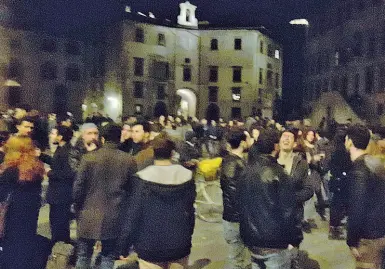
x,y
187,66
345,55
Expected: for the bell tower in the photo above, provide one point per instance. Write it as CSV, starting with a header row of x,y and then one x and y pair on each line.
x,y
187,15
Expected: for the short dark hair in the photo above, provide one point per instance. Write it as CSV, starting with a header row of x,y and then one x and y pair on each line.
x,y
163,147
267,140
65,132
292,131
235,137
146,126
111,132
359,135
156,127
27,118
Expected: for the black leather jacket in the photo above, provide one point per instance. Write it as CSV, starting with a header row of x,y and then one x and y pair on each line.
x,y
231,172
366,212
267,205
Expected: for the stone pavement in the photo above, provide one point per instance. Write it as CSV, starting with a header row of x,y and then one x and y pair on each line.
x,y
209,248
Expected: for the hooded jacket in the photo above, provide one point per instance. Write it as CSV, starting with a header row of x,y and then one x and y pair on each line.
x,y
366,211
160,213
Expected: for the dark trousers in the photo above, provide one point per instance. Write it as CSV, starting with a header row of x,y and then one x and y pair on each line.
x,y
60,217
338,208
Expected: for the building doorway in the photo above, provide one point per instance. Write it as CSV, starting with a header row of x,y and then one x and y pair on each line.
x,y
188,104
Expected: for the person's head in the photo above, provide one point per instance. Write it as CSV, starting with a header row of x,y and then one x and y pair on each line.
x,y
255,130
358,137
204,122
64,134
163,148
310,136
90,133
126,132
111,133
53,136
141,132
25,126
268,141
237,140
156,129
21,112
20,153
287,141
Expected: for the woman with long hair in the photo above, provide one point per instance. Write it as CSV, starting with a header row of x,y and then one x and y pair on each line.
x,y
21,175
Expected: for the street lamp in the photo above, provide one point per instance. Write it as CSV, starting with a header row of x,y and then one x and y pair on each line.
x,y
11,83
300,22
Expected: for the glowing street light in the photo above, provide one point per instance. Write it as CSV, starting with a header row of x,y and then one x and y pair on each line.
x,y
300,22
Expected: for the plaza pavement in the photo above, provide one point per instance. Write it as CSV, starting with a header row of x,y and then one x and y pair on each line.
x,y
209,248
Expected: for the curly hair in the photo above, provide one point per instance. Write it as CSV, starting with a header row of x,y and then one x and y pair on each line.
x,y
20,153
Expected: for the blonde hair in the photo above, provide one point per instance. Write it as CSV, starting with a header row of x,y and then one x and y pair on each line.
x,y
20,153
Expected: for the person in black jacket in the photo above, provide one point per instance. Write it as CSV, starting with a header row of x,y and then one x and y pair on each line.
x,y
267,208
59,193
340,164
160,214
233,166
366,210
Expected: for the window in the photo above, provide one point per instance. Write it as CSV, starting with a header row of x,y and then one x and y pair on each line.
x,y
357,82
236,113
138,109
380,109
269,66
161,70
161,92
261,47
237,74
214,44
48,45
236,94
187,73
72,73
139,35
344,85
335,84
372,47
138,89
260,92
277,54
187,60
277,80
270,51
260,75
48,71
269,77
237,44
188,15
161,40
73,48
357,46
325,85
213,94
213,74
369,79
15,69
138,67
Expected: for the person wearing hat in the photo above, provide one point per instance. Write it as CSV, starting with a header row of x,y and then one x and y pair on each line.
x,y
89,141
99,195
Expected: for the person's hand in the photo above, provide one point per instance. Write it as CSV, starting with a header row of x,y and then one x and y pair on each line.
x,y
355,253
37,152
317,158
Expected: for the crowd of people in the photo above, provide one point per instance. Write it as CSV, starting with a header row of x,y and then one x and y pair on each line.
x,y
130,186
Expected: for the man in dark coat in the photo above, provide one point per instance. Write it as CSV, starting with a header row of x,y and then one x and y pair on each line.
x,y
59,193
366,207
266,190
99,192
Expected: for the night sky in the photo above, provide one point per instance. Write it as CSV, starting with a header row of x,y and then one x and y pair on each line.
x,y
68,14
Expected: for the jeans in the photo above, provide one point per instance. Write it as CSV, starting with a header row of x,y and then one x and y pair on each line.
x,y
239,256
271,258
86,249
59,218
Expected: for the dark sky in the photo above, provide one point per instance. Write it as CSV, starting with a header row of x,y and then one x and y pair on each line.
x,y
64,14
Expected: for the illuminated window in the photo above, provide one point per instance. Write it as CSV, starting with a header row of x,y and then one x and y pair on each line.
x,y
236,94
277,56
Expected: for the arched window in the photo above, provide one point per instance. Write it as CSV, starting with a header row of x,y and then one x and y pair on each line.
x,y
48,71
